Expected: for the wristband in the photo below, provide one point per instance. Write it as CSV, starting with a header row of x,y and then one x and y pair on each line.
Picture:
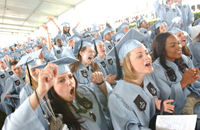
x,y
100,83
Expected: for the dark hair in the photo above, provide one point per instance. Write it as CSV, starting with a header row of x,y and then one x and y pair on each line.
x,y
68,33
157,31
60,106
13,63
158,49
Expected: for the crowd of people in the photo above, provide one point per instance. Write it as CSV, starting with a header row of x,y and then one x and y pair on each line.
x,y
103,80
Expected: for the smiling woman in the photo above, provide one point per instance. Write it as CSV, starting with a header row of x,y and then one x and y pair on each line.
x,y
174,73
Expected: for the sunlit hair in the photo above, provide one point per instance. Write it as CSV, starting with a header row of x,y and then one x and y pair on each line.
x,y
34,83
128,69
186,51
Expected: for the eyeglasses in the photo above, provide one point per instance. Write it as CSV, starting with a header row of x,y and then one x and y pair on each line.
x,y
91,52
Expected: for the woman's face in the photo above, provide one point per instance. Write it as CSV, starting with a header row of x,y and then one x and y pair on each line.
x,y
141,61
126,29
34,73
3,65
87,55
64,86
66,28
17,71
162,28
182,38
101,49
96,35
59,42
173,49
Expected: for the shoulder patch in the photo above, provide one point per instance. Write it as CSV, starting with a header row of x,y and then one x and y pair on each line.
x,y
84,73
2,76
140,103
17,82
103,64
110,61
152,89
10,73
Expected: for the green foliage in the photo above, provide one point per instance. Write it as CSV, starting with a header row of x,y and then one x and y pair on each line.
x,y
196,16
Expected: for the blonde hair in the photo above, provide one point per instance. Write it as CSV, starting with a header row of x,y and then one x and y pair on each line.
x,y
128,74
34,83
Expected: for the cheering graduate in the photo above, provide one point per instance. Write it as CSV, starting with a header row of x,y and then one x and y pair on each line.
x,y
158,27
117,36
107,62
60,50
83,68
32,76
80,106
95,31
5,72
106,36
13,85
187,15
133,100
144,28
182,40
86,34
174,73
124,26
65,34
168,12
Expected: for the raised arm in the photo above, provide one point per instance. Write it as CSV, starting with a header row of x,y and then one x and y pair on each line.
x,y
51,19
46,81
48,37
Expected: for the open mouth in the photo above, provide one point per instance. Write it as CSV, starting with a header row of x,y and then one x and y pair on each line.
x,y
104,51
183,40
72,91
90,58
148,64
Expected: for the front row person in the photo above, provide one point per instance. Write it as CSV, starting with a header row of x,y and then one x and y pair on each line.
x,y
80,106
174,72
134,100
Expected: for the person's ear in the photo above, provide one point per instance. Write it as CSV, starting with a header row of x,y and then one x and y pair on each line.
x,y
81,53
